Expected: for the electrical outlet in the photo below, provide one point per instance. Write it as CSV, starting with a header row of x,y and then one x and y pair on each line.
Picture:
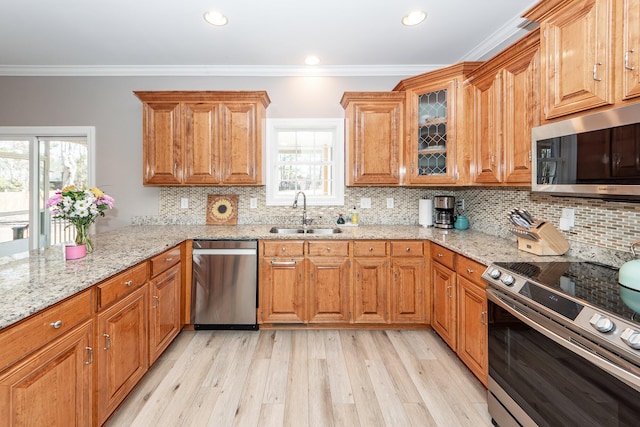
x,y
570,215
253,203
365,202
389,202
460,204
184,203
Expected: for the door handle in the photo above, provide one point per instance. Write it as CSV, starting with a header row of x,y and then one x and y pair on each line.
x,y
108,337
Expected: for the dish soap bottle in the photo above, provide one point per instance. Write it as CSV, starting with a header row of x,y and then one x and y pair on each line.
x,y
340,219
354,216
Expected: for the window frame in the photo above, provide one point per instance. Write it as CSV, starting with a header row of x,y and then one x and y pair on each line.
x,y
336,125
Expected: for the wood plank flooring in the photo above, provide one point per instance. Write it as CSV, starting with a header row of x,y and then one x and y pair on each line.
x,y
306,378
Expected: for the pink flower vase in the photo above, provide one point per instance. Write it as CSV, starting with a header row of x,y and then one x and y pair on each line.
x,y
75,251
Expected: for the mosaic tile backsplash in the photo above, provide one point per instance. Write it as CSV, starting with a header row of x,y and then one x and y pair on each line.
x,y
600,226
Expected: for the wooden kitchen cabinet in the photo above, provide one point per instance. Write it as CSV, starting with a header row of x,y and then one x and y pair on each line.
x,y
282,286
505,107
371,272
436,151
329,272
472,342
203,137
408,268
374,137
121,350
444,294
630,51
577,54
164,310
53,386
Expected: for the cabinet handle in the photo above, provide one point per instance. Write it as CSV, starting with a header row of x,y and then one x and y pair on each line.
x,y
408,249
440,255
595,71
626,60
90,350
108,337
370,249
483,318
128,283
328,249
157,299
283,263
284,249
493,160
469,271
169,259
448,292
57,324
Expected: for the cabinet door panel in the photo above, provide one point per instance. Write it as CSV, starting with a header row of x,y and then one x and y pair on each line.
x,y
631,49
122,346
577,49
444,315
164,320
407,290
472,337
282,290
201,142
370,290
488,132
329,290
52,387
241,150
162,148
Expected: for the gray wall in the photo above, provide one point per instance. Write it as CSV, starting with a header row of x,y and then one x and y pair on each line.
x,y
108,103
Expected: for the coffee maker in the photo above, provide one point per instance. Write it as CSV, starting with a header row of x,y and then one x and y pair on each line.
x,y
444,206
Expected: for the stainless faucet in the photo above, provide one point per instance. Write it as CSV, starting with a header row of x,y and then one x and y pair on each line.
x,y
305,221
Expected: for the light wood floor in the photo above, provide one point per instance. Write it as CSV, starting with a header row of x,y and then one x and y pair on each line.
x,y
306,378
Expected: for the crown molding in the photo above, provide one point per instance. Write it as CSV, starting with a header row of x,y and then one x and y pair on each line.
x,y
214,70
508,33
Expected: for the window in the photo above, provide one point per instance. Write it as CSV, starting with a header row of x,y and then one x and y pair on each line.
x,y
34,163
305,155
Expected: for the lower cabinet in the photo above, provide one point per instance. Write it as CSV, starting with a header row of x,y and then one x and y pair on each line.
x,y
408,269
164,311
444,317
472,331
121,350
53,386
370,290
329,272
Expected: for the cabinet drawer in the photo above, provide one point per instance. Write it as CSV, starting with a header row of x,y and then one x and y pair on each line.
x,y
283,248
121,284
162,262
471,270
35,331
370,248
444,256
407,248
329,248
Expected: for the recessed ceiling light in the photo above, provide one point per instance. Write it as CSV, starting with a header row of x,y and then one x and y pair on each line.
x,y
414,18
312,60
215,18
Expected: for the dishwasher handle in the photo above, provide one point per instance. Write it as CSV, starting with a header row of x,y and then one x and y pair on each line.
x,y
225,252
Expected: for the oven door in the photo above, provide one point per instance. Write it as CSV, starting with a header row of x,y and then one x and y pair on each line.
x,y
542,374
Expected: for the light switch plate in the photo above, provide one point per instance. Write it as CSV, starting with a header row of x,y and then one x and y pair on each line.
x,y
389,202
365,202
184,203
253,203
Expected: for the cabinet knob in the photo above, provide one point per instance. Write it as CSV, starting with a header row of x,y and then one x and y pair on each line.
x,y
128,283
169,259
57,324
284,249
370,249
328,249
470,271
440,255
408,249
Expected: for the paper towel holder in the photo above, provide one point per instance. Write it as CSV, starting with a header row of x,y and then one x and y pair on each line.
x,y
425,212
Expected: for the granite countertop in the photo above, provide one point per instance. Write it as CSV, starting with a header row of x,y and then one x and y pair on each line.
x,y
31,282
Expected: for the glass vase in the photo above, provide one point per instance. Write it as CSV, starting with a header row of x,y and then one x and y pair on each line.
x,y
82,236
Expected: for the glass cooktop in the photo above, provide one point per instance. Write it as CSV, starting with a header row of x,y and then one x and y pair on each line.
x,y
597,284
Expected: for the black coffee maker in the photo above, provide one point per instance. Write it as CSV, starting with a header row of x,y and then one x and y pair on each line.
x,y
444,206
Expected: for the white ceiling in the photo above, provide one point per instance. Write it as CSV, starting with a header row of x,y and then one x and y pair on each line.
x,y
263,37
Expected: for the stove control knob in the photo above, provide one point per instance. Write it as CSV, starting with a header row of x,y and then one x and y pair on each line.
x,y
494,273
602,323
631,337
508,280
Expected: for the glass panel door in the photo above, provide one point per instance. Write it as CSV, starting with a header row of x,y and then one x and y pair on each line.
x,y
432,133
14,196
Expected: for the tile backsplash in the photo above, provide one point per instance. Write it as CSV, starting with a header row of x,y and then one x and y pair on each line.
x,y
603,230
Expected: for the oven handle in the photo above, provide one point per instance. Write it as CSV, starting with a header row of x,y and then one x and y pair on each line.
x,y
606,365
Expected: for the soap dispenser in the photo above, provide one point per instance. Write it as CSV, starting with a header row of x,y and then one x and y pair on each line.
x,y
354,216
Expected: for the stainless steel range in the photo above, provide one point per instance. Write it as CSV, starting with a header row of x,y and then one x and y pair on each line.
x,y
564,350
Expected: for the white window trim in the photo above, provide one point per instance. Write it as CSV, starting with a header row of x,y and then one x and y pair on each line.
x,y
336,125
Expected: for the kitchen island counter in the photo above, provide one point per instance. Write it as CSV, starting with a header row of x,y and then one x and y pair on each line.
x,y
33,281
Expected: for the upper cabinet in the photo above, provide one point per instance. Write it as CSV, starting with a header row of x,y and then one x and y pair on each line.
x,y
504,107
203,137
435,151
590,54
374,132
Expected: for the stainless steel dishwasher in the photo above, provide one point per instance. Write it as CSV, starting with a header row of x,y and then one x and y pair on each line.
x,y
224,284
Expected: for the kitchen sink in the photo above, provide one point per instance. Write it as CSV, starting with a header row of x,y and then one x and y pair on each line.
x,y
299,230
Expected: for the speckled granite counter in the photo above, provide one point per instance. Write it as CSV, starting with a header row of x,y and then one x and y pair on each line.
x,y
30,283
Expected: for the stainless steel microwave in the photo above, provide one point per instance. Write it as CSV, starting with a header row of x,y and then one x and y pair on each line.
x,y
595,155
